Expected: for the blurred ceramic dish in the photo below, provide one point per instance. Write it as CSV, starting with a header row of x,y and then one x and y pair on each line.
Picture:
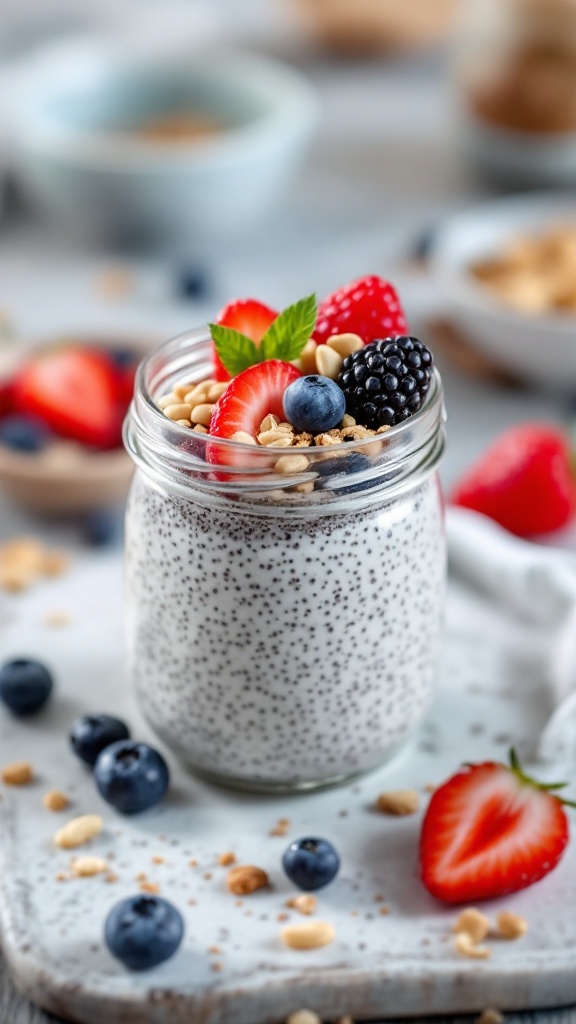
x,y
77,153
67,479
539,349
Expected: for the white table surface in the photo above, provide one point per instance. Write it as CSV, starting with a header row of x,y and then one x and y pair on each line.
x,y
384,166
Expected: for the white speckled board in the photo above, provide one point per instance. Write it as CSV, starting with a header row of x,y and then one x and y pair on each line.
x,y
379,966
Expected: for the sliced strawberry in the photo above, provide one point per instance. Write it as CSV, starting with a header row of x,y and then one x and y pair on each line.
x,y
523,481
253,394
369,307
489,831
74,391
248,316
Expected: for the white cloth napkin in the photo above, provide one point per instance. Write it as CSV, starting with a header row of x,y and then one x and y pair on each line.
x,y
538,584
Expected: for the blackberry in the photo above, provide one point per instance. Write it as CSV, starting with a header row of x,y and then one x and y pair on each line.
x,y
386,381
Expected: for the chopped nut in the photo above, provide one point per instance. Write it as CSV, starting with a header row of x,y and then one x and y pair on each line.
x,y
183,423
246,879
19,773
281,827
465,945
302,440
345,344
306,488
202,414
383,429
490,1017
114,283
384,911
286,427
310,935
291,464
111,877
56,619
200,429
62,876
328,361
178,412
511,926
399,801
284,441
151,887
474,923
348,421
158,860
268,423
325,439
242,437
304,1017
215,950
276,437
54,800
304,904
226,859
308,357
85,867
282,917
24,560
79,831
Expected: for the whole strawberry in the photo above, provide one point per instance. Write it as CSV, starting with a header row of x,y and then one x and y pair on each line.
x,y
491,830
523,481
369,307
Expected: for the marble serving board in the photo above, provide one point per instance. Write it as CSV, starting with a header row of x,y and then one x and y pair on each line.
x,y
233,967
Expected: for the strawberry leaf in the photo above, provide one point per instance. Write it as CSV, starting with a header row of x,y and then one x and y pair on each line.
x,y
289,332
235,350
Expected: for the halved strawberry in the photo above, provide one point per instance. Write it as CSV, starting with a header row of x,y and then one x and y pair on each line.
x,y
74,390
490,830
369,307
249,317
253,394
524,481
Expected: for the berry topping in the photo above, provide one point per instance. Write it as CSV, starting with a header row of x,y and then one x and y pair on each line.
x,y
74,391
23,433
314,404
369,307
143,931
490,830
250,318
251,396
386,381
131,776
91,734
25,685
523,481
311,863
192,282
333,473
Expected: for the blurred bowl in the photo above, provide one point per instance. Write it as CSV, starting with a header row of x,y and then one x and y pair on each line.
x,y
539,349
81,149
67,479
520,159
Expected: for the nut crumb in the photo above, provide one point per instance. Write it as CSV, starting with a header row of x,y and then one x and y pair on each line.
x,y
238,903
379,898
474,923
111,877
399,801
19,773
429,787
310,935
85,867
225,860
304,904
192,902
511,926
490,1016
208,876
158,860
141,876
217,967
282,917
304,1017
151,887
384,911
246,879
56,619
55,800
192,863
281,828
62,876
465,945
214,949
79,831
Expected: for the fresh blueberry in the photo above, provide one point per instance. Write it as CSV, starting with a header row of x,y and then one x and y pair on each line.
x,y
311,863
143,931
91,734
333,472
102,527
124,358
314,404
193,283
24,433
25,685
131,776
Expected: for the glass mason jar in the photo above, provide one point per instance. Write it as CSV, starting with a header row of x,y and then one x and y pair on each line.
x,y
516,75
284,628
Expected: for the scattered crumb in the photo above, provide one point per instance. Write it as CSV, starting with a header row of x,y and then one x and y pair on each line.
x,y
225,860
114,283
465,945
429,788
238,903
79,830
111,877
85,867
19,773
192,863
474,923
141,876
151,887
25,560
490,1017
282,917
246,879
62,876
158,860
304,904
384,911
208,876
379,898
56,619
217,967
214,949
55,800
399,801
191,902
354,913
281,827
511,926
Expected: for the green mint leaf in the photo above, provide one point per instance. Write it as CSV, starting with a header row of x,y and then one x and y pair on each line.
x,y
288,334
235,350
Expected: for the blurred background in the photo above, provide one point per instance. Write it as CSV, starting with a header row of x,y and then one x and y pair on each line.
x,y
159,157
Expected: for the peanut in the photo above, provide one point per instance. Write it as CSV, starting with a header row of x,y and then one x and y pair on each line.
x,y
465,945
308,357
328,361
54,800
79,831
17,774
304,904
291,464
345,344
178,412
399,801
85,867
310,935
511,926
202,414
474,923
242,437
246,879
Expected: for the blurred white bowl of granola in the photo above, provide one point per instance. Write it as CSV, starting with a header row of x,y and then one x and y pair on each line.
x,y
506,271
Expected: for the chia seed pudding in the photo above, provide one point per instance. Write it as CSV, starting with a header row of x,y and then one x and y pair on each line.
x,y
281,636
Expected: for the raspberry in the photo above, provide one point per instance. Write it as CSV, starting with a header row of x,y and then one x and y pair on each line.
x,y
386,381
